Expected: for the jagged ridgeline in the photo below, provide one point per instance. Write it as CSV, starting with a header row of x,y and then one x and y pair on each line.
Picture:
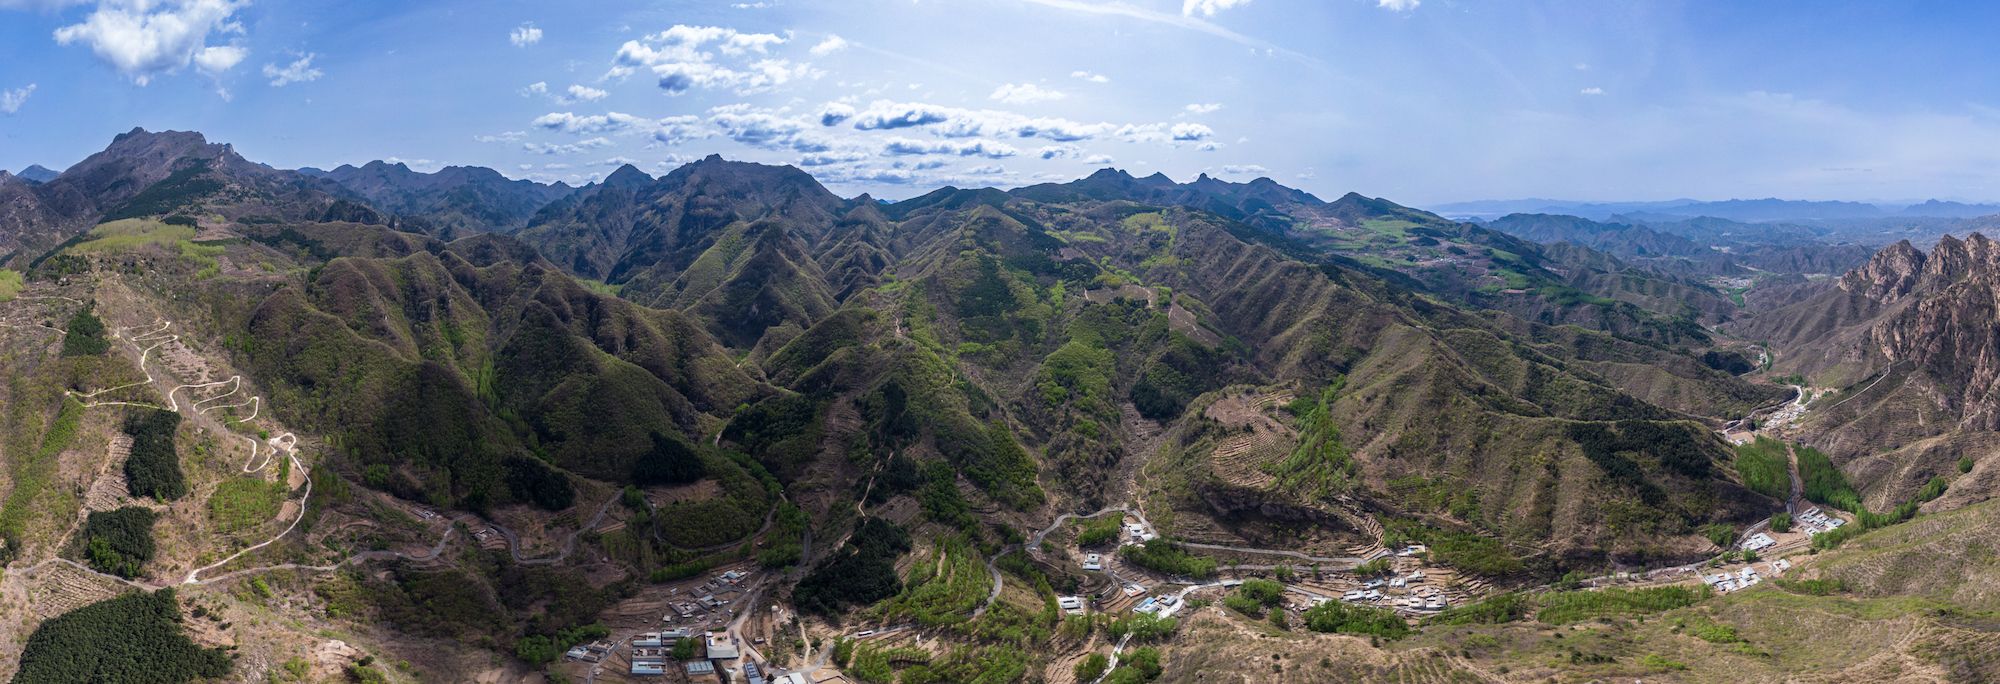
x,y
1246,354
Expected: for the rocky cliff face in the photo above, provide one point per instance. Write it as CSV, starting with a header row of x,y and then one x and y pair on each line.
x,y
1911,338
1946,326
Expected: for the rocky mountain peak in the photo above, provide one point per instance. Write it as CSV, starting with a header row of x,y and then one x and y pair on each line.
x,y
1891,273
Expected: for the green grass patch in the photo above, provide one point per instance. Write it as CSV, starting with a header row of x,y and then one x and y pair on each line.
x,y
1100,530
1162,555
1564,607
1340,618
1765,468
10,284
1321,466
32,474
243,503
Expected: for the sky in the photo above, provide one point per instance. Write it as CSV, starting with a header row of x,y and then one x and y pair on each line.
x,y
1419,101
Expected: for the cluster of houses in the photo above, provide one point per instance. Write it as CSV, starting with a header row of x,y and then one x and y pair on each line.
x,y
1138,534
1416,598
1816,521
710,600
1759,542
1163,605
1724,582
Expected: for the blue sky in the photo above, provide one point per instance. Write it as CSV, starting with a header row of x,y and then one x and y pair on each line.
x,y
1421,101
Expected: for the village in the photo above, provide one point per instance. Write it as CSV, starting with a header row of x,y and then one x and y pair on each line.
x,y
714,629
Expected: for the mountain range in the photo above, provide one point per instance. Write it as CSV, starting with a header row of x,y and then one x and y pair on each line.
x,y
730,362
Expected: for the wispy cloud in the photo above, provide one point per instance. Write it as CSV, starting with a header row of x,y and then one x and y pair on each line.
x,y
299,71
525,35
1208,8
1025,93
831,45
1120,8
11,100
1090,76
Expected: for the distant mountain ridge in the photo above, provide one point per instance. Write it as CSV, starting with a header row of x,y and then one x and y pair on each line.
x,y
1748,210
451,202
37,173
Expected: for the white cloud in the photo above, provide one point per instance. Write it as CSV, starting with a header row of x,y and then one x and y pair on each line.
x,y
11,100
144,39
1098,160
987,170
1398,5
953,122
574,95
1204,108
831,45
299,71
1025,93
1059,151
525,35
1187,132
508,136
619,161
594,124
834,113
1208,8
215,59
1593,90
962,148
829,158
1244,170
1090,76
571,148
680,58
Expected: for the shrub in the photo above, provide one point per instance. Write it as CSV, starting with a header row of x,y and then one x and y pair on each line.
x,y
1496,610
1143,627
1781,522
85,335
154,467
1824,483
119,542
863,572
1654,661
1564,607
1342,618
1162,555
1098,531
1141,665
1091,667
1255,596
1765,467
539,483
